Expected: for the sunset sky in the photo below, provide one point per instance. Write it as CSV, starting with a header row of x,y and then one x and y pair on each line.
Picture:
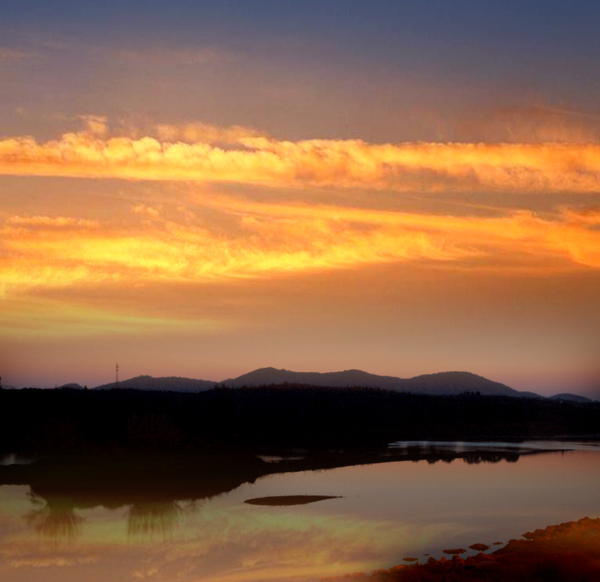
x,y
204,188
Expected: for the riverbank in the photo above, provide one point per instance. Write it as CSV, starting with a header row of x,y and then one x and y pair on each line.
x,y
568,552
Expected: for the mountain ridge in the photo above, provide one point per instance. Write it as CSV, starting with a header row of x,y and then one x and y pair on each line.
x,y
438,383
441,383
166,383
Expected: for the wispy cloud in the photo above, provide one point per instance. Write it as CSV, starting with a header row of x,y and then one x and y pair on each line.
x,y
403,167
47,317
95,124
272,239
52,562
61,222
206,133
536,124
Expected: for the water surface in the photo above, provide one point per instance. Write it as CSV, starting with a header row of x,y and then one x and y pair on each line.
x,y
377,515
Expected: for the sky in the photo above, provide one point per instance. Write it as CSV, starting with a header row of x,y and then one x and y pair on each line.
x,y
201,189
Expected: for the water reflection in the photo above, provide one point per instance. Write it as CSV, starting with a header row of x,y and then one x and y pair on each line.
x,y
474,459
518,447
148,520
151,485
132,506
54,520
14,459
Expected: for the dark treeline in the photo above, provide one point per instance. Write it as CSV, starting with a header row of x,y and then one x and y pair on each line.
x,y
272,417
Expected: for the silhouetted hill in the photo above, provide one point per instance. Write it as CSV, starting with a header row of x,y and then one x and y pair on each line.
x,y
345,379
456,383
442,383
570,397
447,383
171,383
525,394
73,386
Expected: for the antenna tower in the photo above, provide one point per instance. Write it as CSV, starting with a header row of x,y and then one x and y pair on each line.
x,y
117,373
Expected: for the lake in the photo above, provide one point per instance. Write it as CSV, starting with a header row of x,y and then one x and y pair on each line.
x,y
377,515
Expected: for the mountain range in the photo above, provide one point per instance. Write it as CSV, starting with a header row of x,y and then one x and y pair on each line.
x,y
443,383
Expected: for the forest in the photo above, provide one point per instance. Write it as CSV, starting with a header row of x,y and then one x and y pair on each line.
x,y
273,417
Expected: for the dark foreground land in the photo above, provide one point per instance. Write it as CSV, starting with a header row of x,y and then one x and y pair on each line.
x,y
146,450
288,416
569,552
117,448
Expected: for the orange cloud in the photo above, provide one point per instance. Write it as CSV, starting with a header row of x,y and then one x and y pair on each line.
x,y
405,167
95,124
579,235
34,256
270,239
52,222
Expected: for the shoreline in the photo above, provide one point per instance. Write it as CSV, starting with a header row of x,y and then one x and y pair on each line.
x,y
567,552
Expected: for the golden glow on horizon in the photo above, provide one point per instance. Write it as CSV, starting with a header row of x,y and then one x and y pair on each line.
x,y
193,233
404,167
51,318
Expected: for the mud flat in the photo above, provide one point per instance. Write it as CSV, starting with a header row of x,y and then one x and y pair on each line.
x,y
283,500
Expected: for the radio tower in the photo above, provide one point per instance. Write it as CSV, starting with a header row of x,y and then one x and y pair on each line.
x,y
117,374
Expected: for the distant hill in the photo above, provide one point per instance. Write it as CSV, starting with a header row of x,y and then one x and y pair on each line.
x,y
345,379
525,394
172,383
571,397
457,382
441,383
